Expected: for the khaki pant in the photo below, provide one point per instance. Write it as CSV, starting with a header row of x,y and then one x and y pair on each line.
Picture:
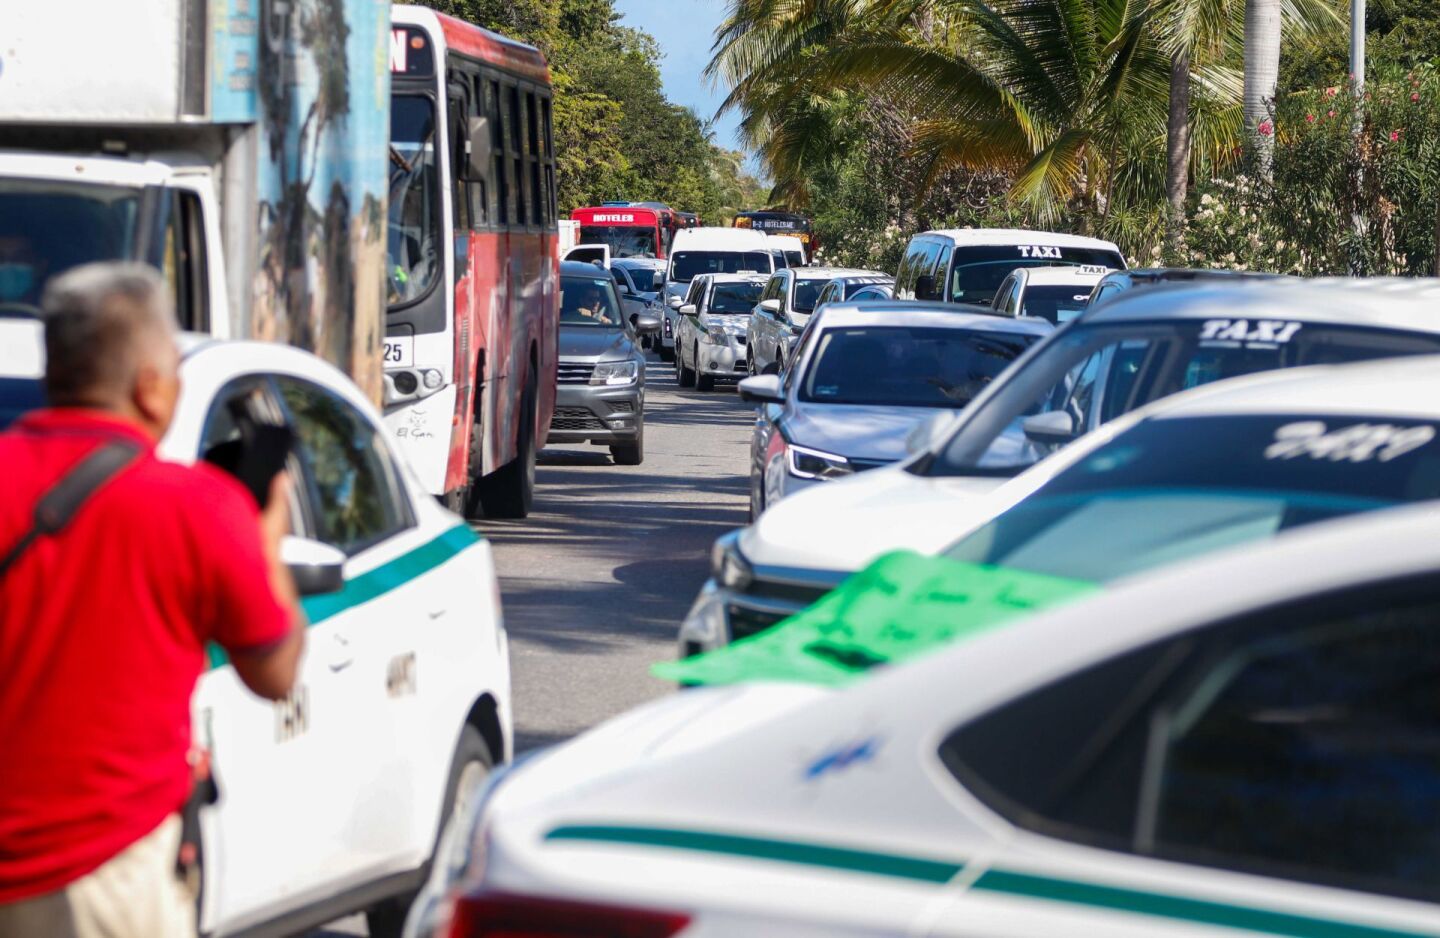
x,y
136,894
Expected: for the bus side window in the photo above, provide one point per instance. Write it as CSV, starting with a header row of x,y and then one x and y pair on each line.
x,y
552,211
514,142
459,132
498,134
480,190
532,159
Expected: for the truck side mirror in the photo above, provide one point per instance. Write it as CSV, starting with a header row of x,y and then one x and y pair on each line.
x,y
479,149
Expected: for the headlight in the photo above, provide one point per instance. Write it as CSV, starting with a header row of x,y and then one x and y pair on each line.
x,y
612,373
727,565
715,334
807,463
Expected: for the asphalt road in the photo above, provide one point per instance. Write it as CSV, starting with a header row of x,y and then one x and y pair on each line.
x,y
594,583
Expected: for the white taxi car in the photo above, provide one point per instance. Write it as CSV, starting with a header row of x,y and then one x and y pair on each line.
x,y
710,330
331,801
1114,357
1239,746
784,309
1055,294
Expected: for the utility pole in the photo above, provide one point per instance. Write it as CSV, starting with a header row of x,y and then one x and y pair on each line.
x,y
1357,87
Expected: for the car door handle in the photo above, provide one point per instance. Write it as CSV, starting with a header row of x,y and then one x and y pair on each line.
x,y
341,654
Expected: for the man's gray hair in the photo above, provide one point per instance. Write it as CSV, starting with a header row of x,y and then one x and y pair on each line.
x,y
102,325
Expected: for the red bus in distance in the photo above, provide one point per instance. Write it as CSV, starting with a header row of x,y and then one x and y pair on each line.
x,y
630,231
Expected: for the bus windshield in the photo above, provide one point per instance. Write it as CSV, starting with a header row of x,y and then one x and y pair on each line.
x,y
978,271
412,241
48,227
690,264
624,240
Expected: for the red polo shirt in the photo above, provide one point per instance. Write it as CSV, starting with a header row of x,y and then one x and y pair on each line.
x,y
103,630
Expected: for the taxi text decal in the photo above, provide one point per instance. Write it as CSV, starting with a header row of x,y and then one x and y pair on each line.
x,y
1359,442
1259,332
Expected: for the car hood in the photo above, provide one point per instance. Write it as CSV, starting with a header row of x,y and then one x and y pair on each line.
x,y
854,431
846,524
588,342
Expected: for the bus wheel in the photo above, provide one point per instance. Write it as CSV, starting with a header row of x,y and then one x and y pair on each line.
x,y
469,494
509,491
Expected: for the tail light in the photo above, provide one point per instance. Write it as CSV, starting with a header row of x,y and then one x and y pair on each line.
x,y
487,914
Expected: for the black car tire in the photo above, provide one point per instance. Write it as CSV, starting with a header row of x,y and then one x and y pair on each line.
x,y
703,381
686,376
630,454
509,492
387,919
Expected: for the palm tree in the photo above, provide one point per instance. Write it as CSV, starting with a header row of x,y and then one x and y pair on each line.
x,y
1262,71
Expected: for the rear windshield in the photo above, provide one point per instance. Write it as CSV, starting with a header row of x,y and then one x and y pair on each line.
x,y
1059,304
1094,372
806,292
1174,488
976,272
19,396
907,367
646,280
735,297
690,264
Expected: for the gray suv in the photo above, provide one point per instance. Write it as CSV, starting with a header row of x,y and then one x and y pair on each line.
x,y
600,396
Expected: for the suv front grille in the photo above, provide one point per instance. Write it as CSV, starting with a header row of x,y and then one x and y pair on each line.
x,y
574,372
575,418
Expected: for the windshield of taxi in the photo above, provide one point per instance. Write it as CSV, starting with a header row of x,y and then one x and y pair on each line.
x,y
48,227
412,235
1094,372
907,366
691,264
1175,488
589,302
735,297
977,272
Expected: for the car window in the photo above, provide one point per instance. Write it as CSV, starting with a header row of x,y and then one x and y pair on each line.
x,y
1005,295
690,264
241,404
1298,742
806,295
355,493
827,295
906,366
18,396
1138,363
589,302
621,283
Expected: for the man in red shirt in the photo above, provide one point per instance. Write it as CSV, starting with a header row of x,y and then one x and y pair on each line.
x,y
104,623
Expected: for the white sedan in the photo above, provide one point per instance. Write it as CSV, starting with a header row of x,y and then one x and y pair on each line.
x,y
1243,745
331,801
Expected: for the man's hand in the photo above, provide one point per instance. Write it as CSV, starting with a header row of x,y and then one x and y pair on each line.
x,y
275,519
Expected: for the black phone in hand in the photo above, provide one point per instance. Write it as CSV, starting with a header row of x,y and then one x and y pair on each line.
x,y
256,457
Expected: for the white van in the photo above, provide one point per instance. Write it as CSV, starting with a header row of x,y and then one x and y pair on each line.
x,y
967,265
698,251
789,247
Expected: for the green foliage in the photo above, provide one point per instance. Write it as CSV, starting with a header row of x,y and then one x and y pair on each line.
x,y
616,135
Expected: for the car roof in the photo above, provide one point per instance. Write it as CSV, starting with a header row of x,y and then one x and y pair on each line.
x,y
581,269
1397,387
908,313
831,273
1392,303
735,278
866,277
1158,275
965,237
1078,275
718,239
650,262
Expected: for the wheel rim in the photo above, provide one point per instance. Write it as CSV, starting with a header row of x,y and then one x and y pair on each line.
x,y
471,775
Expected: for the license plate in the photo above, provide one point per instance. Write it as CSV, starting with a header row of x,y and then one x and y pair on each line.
x,y
399,352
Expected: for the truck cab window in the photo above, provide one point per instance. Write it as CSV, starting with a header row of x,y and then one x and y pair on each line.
x,y
413,257
183,262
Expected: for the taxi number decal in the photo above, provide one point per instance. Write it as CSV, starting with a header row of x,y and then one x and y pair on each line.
x,y
292,714
1361,442
1268,331
400,677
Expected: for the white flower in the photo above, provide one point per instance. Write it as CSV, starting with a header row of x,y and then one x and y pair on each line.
x,y
1206,199
1279,245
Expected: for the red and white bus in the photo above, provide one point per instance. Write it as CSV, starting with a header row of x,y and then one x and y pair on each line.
x,y
629,230
472,325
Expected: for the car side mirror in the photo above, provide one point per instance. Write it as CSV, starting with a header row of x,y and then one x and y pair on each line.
x,y
770,307
924,286
675,302
762,389
1053,428
478,152
316,568
688,309
645,323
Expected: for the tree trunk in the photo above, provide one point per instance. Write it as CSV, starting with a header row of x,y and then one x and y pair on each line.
x,y
1177,154
1437,235
1262,71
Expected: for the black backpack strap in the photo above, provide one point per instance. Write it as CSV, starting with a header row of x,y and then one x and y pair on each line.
x,y
63,499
